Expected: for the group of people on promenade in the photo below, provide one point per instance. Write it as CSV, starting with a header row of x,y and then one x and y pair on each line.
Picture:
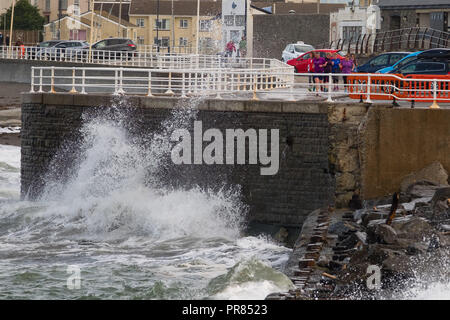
x,y
230,48
331,63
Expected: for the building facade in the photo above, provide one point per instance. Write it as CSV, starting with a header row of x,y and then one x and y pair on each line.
x,y
352,21
174,24
54,9
401,14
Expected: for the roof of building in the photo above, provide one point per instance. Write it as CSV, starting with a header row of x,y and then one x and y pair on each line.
x,y
114,18
300,8
180,7
413,4
114,8
87,21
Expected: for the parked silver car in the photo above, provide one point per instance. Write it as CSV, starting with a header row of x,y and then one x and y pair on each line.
x,y
61,50
293,50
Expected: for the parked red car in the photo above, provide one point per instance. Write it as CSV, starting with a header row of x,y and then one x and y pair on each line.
x,y
303,63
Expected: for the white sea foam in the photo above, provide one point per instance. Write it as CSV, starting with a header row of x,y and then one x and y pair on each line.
x,y
9,130
9,172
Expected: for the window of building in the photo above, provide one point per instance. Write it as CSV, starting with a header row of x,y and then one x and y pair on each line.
x,y
140,22
63,4
229,20
205,25
206,42
162,24
183,42
140,40
47,5
163,42
351,32
183,23
240,20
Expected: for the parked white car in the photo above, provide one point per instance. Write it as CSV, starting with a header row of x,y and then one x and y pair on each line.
x,y
293,50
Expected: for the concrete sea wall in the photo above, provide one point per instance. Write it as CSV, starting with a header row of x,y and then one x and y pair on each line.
x,y
328,152
302,183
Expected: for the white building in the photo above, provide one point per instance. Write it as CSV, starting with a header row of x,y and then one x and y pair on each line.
x,y
234,20
352,21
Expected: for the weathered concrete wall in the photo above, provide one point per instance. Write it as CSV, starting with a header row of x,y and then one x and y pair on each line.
x,y
302,184
344,150
396,142
271,33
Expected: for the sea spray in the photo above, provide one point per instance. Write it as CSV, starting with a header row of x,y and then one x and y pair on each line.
x,y
113,186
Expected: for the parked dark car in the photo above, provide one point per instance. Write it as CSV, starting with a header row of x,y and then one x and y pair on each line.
x,y
433,62
381,61
118,45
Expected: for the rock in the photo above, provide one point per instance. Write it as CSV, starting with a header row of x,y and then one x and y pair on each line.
x,y
362,236
434,173
340,227
342,200
440,200
374,215
347,160
323,262
355,203
414,228
345,181
422,189
358,214
386,234
282,235
350,241
416,248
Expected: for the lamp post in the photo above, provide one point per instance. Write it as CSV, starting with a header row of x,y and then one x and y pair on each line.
x,y
120,19
59,19
198,26
11,26
157,27
92,31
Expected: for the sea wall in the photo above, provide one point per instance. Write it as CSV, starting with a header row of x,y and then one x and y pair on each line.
x,y
302,183
327,151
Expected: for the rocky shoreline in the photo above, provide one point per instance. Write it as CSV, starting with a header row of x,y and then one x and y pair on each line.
x,y
335,255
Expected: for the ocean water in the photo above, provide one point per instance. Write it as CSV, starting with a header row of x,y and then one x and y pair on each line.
x,y
124,235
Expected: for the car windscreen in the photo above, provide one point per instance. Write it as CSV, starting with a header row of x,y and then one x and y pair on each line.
x,y
302,48
405,61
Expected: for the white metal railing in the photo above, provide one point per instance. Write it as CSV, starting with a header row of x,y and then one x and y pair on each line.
x,y
137,58
265,84
157,82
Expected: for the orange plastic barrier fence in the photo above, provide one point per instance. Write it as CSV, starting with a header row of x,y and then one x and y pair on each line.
x,y
387,87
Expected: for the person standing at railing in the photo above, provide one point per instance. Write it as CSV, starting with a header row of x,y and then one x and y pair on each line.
x,y
243,47
230,48
20,48
355,62
348,66
7,40
319,65
1,39
327,69
335,68
310,69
